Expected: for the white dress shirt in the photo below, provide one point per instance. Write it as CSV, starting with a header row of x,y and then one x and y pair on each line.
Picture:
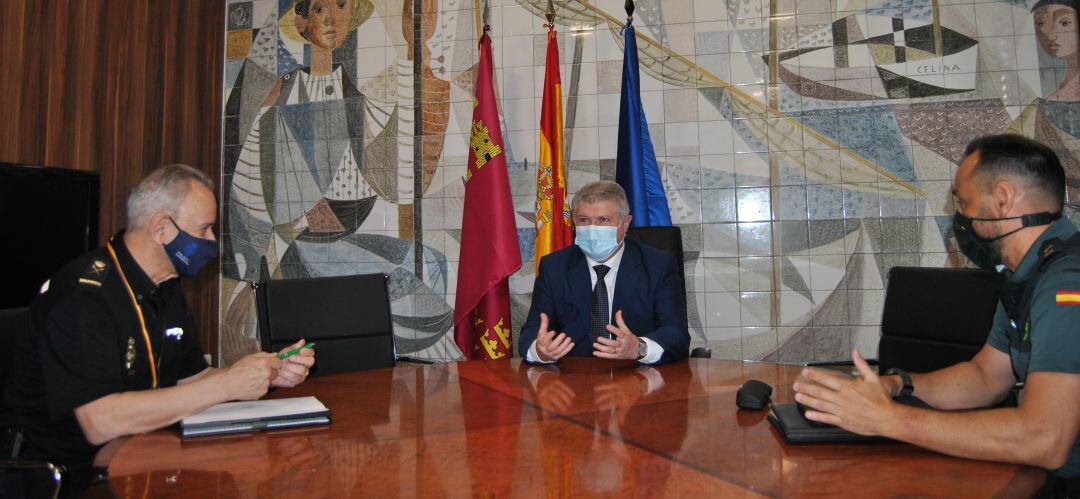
x,y
654,350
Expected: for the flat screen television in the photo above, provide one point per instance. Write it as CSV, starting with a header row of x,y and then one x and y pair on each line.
x,y
48,216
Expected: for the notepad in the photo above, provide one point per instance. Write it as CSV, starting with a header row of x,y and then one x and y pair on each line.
x,y
255,415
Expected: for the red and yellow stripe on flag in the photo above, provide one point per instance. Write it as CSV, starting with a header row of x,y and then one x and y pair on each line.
x,y
553,231
489,239
1068,297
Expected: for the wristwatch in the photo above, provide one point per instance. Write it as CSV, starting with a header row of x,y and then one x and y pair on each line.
x,y
642,348
908,388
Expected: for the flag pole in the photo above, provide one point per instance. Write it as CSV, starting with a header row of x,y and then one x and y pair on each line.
x,y
479,21
487,16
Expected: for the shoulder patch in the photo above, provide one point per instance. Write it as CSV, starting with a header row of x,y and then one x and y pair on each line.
x,y
96,272
1068,297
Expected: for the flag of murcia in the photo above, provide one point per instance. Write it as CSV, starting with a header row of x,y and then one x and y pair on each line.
x,y
1068,297
489,253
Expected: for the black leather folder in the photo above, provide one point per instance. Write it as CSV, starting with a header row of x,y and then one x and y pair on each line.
x,y
796,429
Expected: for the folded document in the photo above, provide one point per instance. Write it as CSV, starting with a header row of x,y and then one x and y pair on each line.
x,y
255,415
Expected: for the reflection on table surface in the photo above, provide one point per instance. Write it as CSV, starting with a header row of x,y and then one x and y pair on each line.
x,y
584,427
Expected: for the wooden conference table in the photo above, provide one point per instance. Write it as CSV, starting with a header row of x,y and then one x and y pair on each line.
x,y
586,428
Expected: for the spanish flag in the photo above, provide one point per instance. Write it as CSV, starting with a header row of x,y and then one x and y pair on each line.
x,y
553,230
489,241
1068,297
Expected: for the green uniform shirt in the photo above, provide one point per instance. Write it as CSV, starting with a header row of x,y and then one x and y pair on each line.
x,y
1055,322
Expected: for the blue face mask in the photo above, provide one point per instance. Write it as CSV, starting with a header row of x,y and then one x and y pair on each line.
x,y
189,254
597,241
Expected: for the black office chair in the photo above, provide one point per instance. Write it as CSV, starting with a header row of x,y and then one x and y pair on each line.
x,y
668,239
348,318
20,477
934,318
662,238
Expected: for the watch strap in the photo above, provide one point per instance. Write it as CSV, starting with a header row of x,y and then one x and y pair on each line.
x,y
908,387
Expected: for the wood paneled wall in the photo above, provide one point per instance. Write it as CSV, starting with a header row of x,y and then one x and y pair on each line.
x,y
118,87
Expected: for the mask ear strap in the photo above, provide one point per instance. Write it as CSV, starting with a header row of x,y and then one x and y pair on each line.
x,y
173,222
1035,219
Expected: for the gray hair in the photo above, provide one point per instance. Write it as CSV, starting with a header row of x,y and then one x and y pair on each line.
x,y
603,190
164,189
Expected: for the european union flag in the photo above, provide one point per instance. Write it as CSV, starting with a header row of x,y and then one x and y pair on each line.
x,y
635,167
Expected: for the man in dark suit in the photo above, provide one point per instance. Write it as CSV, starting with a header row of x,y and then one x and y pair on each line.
x,y
606,296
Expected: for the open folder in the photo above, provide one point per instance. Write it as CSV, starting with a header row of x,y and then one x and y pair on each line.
x,y
255,415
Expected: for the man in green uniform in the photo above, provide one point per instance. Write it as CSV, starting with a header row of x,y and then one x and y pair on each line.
x,y
1010,193
111,350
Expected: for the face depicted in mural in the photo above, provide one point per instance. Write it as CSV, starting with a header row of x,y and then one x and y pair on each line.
x,y
325,23
1055,28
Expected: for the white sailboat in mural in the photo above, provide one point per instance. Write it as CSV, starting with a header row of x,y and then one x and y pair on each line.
x,y
904,57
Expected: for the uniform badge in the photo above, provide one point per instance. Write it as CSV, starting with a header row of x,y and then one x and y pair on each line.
x,y
175,333
129,358
1068,297
95,273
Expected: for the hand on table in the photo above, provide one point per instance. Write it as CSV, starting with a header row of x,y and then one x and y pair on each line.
x,y
549,346
861,405
624,345
295,368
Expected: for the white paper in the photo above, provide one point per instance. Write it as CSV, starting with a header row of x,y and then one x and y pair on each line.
x,y
256,410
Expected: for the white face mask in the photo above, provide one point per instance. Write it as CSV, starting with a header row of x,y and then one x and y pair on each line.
x,y
597,241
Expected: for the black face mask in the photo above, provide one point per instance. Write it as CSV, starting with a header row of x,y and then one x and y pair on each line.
x,y
981,249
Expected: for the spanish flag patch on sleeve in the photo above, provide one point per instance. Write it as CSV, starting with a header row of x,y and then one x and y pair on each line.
x,y
1068,297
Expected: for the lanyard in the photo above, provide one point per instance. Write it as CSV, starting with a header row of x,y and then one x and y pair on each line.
x,y
138,312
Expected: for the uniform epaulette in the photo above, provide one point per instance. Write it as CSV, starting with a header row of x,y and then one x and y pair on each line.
x,y
97,269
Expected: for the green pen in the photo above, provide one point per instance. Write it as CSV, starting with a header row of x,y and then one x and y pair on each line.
x,y
295,351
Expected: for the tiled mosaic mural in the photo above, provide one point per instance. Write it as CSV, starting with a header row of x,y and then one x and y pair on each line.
x,y
806,147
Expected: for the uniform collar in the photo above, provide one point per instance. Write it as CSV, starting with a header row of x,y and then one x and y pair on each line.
x,y
141,284
1061,229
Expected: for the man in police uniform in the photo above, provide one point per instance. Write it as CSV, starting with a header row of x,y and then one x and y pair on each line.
x,y
1010,193
111,350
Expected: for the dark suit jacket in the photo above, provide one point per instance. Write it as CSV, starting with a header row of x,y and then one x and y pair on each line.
x,y
647,290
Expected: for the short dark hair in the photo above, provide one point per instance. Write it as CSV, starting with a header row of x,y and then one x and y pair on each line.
x,y
302,9
1021,158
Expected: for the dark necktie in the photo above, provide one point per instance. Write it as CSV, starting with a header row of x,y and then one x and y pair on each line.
x,y
598,310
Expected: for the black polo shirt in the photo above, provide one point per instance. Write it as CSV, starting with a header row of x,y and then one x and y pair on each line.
x,y
85,342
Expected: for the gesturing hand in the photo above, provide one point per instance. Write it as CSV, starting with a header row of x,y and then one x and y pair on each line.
x,y
549,346
295,368
249,377
623,346
861,405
